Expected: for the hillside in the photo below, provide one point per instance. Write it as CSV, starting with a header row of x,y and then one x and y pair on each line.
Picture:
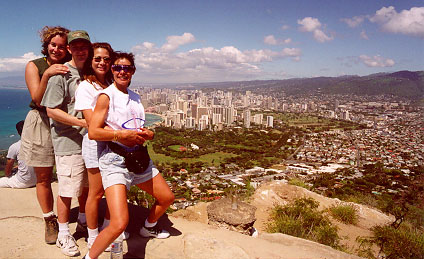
x,y
406,84
277,192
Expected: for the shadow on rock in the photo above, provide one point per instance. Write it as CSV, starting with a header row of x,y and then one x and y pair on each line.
x,y
138,214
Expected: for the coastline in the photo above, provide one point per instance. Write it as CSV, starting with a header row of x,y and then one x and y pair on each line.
x,y
157,123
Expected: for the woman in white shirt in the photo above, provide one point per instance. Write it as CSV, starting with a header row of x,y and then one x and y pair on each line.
x,y
120,108
97,75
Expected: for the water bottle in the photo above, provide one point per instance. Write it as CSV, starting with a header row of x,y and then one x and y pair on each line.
x,y
117,248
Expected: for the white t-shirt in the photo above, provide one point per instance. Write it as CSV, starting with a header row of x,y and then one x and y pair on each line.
x,y
86,95
25,173
125,110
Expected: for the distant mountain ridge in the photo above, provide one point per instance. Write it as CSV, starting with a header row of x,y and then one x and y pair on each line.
x,y
407,84
13,81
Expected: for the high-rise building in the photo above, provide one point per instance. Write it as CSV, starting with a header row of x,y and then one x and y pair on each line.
x,y
190,122
258,118
203,122
228,115
202,111
162,108
345,115
246,118
216,118
270,121
194,111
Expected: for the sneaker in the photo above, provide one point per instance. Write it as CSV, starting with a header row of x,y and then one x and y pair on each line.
x,y
90,242
51,229
68,245
81,227
154,232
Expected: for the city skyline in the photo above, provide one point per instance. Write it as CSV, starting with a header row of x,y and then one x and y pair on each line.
x,y
210,41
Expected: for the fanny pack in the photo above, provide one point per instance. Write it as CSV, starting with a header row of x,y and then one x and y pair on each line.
x,y
136,161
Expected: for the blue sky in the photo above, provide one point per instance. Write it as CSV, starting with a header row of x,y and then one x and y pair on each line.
x,y
206,41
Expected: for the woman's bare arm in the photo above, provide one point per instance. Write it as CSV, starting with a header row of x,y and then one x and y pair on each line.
x,y
96,129
36,85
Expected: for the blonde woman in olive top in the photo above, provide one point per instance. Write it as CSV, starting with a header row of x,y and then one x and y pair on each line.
x,y
36,147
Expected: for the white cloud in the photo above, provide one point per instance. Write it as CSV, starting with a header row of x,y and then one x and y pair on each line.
x,y
364,35
203,64
16,64
271,40
376,61
310,24
320,36
285,27
173,42
408,22
354,21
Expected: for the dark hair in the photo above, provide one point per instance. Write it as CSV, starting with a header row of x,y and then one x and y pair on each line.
x,y
48,33
19,127
124,55
88,72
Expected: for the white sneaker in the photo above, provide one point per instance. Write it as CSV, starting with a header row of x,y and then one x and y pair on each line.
x,y
154,232
67,245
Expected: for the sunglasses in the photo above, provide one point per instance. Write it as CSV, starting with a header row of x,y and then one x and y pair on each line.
x,y
105,59
126,68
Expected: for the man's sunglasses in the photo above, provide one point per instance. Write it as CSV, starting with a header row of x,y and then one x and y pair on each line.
x,y
126,68
105,59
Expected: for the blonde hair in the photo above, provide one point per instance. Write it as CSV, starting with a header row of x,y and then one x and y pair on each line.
x,y
47,34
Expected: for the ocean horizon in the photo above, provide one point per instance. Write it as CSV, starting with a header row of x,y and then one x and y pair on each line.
x,y
14,106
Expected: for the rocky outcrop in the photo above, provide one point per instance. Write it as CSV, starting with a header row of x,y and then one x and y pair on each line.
x,y
232,214
22,236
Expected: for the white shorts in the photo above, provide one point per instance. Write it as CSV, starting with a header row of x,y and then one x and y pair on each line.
x,y
13,182
91,151
113,170
71,175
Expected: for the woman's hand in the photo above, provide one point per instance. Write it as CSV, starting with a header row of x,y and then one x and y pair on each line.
x,y
56,69
147,134
130,138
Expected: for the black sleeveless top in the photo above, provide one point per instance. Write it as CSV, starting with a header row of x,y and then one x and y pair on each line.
x,y
42,65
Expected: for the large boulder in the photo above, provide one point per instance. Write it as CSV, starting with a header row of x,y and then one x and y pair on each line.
x,y
232,214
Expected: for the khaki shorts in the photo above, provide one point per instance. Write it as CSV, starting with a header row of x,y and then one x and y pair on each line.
x,y
36,141
71,175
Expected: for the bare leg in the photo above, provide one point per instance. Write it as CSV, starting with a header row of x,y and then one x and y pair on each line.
x,y
44,188
63,208
116,196
158,188
95,194
82,199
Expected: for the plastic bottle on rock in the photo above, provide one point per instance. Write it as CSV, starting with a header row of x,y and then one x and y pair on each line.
x,y
117,248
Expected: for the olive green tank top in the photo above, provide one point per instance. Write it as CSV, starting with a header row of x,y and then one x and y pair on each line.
x,y
42,65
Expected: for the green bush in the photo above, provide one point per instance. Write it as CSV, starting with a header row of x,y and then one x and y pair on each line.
x,y
347,214
404,242
301,218
299,182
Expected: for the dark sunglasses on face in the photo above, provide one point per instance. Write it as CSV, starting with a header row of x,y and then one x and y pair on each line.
x,y
126,68
105,59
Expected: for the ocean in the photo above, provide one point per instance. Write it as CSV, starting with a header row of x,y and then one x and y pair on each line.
x,y
14,107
